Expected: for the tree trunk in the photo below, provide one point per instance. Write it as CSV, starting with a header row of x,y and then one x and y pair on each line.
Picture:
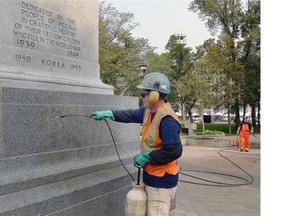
x,y
258,116
229,121
253,115
237,116
244,110
203,126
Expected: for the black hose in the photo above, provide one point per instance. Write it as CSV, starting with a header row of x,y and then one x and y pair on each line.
x,y
138,176
219,184
118,152
214,183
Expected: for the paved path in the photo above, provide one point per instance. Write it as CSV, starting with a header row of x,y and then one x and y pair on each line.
x,y
200,200
218,141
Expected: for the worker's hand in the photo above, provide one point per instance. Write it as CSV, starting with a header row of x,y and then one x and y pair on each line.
x,y
99,115
142,159
252,131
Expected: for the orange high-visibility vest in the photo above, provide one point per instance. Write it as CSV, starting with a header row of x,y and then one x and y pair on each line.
x,y
151,139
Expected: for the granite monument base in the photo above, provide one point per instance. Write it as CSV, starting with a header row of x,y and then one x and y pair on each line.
x,y
63,166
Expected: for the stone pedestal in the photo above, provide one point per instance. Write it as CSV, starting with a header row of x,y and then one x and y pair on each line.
x,y
63,165
51,42
49,68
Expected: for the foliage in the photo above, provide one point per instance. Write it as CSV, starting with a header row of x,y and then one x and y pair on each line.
x,y
211,132
222,72
181,61
223,127
120,54
239,42
250,57
225,14
180,58
218,127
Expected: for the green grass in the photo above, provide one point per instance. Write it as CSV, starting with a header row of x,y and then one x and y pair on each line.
x,y
220,127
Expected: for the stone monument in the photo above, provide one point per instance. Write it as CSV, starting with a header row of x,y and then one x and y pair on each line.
x,y
48,68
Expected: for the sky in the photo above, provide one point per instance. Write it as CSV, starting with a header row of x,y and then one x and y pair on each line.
x,y
159,19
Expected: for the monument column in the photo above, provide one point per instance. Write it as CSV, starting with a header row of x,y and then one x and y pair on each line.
x,y
51,42
49,68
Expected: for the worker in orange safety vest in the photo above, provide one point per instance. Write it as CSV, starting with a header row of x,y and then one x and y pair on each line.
x,y
245,129
160,143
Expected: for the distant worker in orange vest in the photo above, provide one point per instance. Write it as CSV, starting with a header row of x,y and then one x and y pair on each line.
x,y
245,129
160,145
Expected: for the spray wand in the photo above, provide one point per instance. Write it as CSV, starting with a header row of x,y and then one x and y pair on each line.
x,y
74,115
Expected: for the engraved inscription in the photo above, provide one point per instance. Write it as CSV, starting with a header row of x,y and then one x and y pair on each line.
x,y
22,58
50,42
39,27
53,63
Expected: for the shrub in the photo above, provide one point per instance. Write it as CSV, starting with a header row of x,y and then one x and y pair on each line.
x,y
222,127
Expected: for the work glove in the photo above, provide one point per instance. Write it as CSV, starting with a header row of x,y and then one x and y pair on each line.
x,y
142,159
99,115
237,132
252,131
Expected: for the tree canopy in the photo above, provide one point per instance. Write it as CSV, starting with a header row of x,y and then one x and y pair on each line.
x,y
120,54
222,72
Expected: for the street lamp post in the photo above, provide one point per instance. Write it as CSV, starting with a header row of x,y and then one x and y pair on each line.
x,y
144,69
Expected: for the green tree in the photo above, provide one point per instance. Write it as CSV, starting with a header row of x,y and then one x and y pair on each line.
x,y
228,17
181,61
225,71
211,79
250,56
223,14
120,54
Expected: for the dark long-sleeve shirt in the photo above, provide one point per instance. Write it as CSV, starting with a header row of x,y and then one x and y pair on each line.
x,y
171,150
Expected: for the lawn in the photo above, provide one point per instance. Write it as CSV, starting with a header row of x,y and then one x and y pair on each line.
x,y
220,127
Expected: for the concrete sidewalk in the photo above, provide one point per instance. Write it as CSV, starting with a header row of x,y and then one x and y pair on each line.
x,y
218,141
196,199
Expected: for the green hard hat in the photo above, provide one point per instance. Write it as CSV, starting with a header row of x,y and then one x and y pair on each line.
x,y
156,81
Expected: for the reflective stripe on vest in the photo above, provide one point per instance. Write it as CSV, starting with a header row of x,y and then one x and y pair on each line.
x,y
151,139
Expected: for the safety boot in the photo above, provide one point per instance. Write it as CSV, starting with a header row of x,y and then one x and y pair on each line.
x,y
241,149
246,149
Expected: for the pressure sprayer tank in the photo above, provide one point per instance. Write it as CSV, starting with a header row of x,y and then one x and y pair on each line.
x,y
136,200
